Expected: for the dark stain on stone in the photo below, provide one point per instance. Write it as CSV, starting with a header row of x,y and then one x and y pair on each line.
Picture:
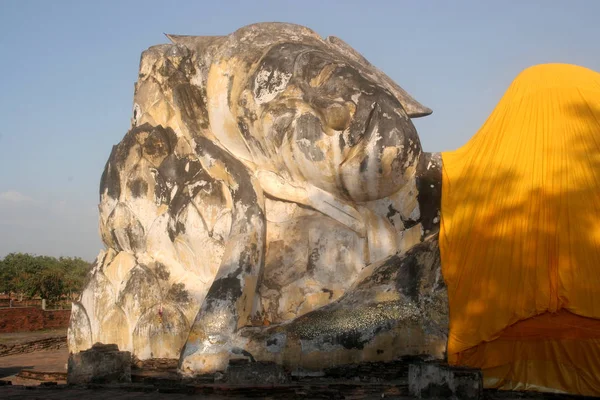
x,y
194,171
409,223
436,391
281,127
351,340
177,67
430,198
178,294
169,168
245,192
385,271
110,182
138,187
229,87
179,201
405,270
364,164
409,276
161,271
358,126
308,132
134,231
313,259
136,236
192,100
139,283
245,131
159,141
342,143
173,232
174,178
390,214
228,287
180,227
162,193
325,290
165,68
441,284
249,258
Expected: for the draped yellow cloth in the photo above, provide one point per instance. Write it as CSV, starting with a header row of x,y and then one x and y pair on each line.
x,y
520,236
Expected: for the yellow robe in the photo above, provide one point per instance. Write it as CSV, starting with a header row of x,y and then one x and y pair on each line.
x,y
520,236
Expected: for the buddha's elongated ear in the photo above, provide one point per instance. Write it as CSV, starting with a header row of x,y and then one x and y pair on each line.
x,y
413,108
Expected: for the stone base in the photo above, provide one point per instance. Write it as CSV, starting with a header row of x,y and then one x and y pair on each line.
x,y
100,364
256,373
430,381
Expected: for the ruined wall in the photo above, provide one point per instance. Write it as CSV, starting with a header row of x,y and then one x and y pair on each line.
x,y
32,319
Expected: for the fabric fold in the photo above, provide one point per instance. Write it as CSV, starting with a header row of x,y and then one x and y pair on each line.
x,y
520,236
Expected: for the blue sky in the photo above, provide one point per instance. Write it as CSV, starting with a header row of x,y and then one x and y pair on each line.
x,y
68,69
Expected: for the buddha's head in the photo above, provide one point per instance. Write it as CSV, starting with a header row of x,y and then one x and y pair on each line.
x,y
281,98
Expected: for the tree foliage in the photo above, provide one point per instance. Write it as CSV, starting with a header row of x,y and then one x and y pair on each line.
x,y
48,277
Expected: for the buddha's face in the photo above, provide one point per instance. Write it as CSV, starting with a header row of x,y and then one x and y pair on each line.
x,y
329,123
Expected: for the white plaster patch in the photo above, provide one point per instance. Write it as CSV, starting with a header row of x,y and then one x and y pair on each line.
x,y
137,113
370,148
400,112
191,187
304,142
197,78
269,84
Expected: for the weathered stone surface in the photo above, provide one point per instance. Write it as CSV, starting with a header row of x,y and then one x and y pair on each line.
x,y
397,307
272,197
155,364
432,380
100,364
253,373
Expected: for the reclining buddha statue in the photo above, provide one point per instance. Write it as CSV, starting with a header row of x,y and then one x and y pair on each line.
x,y
272,199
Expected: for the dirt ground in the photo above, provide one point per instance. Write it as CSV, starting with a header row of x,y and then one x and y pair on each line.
x,y
20,337
46,361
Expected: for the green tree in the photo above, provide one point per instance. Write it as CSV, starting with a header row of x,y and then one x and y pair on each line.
x,y
45,276
76,271
18,272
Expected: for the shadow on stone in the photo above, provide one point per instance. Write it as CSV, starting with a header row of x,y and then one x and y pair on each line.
x,y
256,373
103,363
433,380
